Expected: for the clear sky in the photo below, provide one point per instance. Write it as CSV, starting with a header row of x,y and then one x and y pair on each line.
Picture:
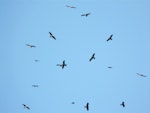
x,y
77,38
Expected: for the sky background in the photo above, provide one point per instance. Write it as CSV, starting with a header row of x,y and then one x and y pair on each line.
x,y
77,38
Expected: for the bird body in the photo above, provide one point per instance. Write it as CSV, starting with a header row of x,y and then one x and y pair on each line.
x,y
29,45
62,65
35,85
87,106
122,104
70,6
92,57
52,36
110,38
86,14
141,75
26,107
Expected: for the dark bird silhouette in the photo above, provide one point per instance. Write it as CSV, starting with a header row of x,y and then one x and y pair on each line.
x,y
92,57
73,103
70,6
36,60
122,104
110,38
86,14
109,67
62,65
35,85
29,45
26,107
141,75
87,106
52,36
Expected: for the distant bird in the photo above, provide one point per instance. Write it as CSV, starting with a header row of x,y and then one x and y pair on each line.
x,y
110,38
70,6
52,36
36,60
109,67
141,75
92,57
87,106
122,104
73,103
86,14
62,65
35,85
30,45
26,107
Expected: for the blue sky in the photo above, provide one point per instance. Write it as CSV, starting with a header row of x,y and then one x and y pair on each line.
x,y
77,38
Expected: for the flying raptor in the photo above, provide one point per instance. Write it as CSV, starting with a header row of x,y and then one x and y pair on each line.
x,y
92,57
26,107
87,106
35,85
29,45
109,67
62,65
141,75
70,6
110,38
86,14
122,104
36,60
52,36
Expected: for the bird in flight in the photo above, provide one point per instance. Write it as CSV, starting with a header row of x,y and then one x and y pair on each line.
x,y
110,38
36,60
26,107
92,57
109,67
122,104
73,103
62,65
141,75
35,85
29,45
52,36
87,106
70,6
86,14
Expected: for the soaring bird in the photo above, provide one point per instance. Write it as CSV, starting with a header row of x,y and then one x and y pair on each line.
x,y
70,6
35,85
141,75
72,102
36,60
87,106
62,65
109,67
30,45
110,38
86,14
26,107
52,36
122,104
92,57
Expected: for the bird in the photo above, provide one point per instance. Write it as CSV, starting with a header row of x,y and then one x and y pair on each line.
x,y
70,6
109,67
26,107
62,65
141,75
36,60
87,106
73,103
35,85
31,46
52,36
110,38
122,104
86,14
92,57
